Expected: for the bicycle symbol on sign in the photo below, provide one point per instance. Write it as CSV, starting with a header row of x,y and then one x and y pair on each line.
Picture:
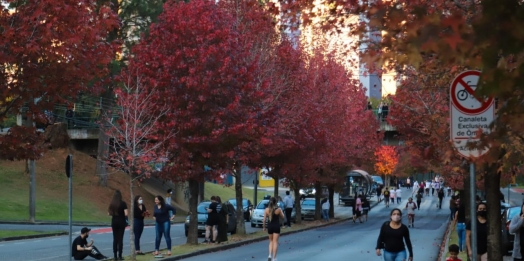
x,y
462,95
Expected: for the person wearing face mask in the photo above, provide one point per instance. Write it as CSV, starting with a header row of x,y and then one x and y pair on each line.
x,y
393,235
139,213
516,226
482,234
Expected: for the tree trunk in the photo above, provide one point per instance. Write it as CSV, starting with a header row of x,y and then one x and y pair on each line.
x,y
192,236
201,187
241,227
298,211
103,139
318,194
131,220
30,167
275,187
103,152
331,191
465,196
492,186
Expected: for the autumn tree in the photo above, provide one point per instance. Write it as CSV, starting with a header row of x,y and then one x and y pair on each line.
x,y
138,136
194,58
386,161
135,17
51,52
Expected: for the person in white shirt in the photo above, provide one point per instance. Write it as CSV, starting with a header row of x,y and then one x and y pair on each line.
x,y
288,204
392,195
427,187
411,206
398,194
325,209
415,188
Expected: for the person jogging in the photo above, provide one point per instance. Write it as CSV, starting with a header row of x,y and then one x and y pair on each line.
x,y
411,206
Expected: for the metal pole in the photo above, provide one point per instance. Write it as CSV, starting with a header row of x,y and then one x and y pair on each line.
x,y
509,186
71,209
256,187
473,212
32,191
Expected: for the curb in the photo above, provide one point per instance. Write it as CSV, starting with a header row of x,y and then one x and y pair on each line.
x,y
254,240
445,242
246,242
79,224
33,236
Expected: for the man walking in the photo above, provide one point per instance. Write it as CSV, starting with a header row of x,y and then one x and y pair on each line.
x,y
288,204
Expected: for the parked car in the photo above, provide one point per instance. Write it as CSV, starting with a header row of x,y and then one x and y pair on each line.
x,y
507,238
202,218
308,208
246,205
257,217
306,192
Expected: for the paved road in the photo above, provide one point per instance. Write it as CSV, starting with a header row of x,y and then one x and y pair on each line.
x,y
57,248
348,241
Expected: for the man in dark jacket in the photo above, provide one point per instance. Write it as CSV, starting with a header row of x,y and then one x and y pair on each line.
x,y
81,249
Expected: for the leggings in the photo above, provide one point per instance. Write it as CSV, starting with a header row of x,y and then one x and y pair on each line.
x,y
118,238
138,228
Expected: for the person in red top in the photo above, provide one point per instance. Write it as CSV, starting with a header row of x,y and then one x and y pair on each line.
x,y
453,251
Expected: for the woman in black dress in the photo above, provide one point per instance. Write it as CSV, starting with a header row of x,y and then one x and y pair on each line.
x,y
118,211
273,213
223,221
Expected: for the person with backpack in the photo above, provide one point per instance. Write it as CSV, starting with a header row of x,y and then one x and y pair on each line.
x,y
411,206
386,197
393,234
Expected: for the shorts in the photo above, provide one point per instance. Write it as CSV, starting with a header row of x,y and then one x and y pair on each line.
x,y
212,222
273,229
357,213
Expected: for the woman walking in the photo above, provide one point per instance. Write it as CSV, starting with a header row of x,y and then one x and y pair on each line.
x,y
357,209
482,234
517,227
273,213
139,213
392,236
162,223
118,212
223,220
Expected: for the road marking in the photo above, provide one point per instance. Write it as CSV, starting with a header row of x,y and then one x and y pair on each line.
x,y
47,258
18,243
37,241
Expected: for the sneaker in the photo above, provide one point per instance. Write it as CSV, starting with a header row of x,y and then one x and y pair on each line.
x,y
269,258
205,241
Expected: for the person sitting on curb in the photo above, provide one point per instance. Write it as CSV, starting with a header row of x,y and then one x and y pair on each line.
x,y
82,249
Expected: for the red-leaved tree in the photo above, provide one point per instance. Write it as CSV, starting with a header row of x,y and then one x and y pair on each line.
x,y
51,52
197,62
138,136
386,161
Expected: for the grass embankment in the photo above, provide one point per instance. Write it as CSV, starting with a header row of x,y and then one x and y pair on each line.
x,y
90,200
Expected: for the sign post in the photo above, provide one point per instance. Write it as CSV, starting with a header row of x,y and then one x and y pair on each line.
x,y
470,116
69,174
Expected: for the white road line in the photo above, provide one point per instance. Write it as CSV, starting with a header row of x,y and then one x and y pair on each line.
x,y
18,243
37,241
48,258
